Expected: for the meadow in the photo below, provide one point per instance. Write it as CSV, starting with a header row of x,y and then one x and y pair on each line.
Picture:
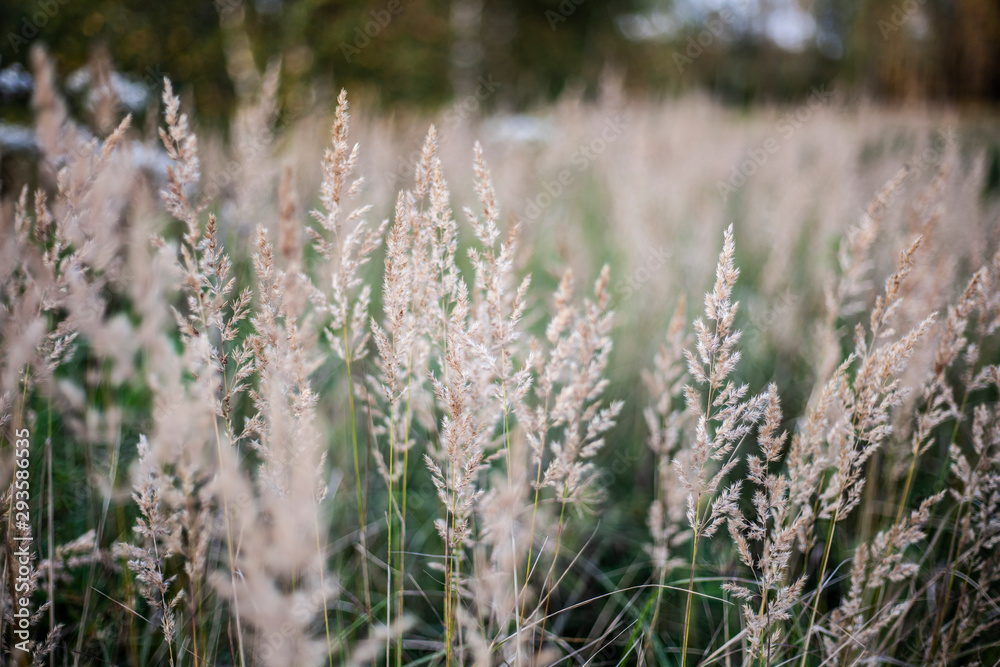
x,y
615,381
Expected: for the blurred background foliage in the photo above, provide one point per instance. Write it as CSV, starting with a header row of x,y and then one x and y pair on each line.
x,y
423,53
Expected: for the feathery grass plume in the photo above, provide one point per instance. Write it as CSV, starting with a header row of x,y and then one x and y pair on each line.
x,y
284,360
413,310
853,627
185,171
931,288
434,276
987,324
277,556
59,260
863,423
726,418
665,421
582,347
937,395
78,257
282,585
775,528
346,242
104,100
571,384
462,446
420,270
535,416
496,587
213,313
977,535
443,316
393,362
54,134
161,533
176,474
422,293
84,550
190,471
56,266
990,300
232,360
427,307
853,254
403,345
174,483
87,253
251,173
416,310
498,306
842,298
809,457
29,288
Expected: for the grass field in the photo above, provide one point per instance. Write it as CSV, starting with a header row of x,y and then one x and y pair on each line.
x,y
617,381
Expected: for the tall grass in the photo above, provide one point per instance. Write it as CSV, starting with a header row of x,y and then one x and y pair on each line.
x,y
423,440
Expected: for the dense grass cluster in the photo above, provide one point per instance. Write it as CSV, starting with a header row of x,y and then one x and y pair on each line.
x,y
272,433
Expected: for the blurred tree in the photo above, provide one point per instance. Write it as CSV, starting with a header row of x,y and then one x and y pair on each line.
x,y
943,49
423,52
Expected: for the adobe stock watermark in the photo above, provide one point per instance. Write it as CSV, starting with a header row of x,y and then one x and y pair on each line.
x,y
456,114
33,22
566,9
901,11
627,462
714,27
363,36
929,158
470,104
758,157
21,570
581,159
251,145
152,78
762,319
404,168
654,261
